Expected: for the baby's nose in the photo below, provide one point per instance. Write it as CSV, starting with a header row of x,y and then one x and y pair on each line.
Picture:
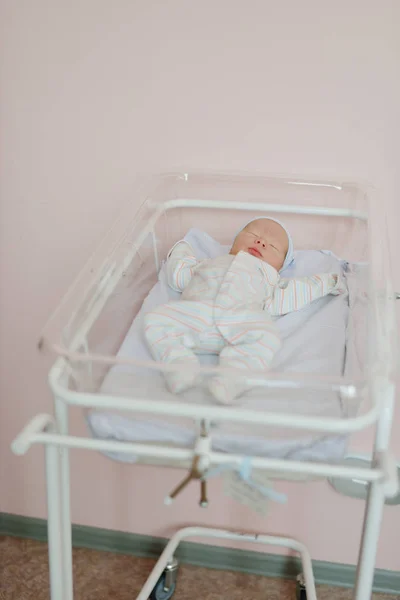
x,y
261,242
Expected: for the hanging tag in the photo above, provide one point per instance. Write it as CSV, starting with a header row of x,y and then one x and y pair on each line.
x,y
252,488
244,493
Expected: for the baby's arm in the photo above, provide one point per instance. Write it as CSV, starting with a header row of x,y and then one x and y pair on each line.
x,y
180,264
293,294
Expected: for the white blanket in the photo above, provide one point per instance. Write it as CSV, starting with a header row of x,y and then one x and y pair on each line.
x,y
314,343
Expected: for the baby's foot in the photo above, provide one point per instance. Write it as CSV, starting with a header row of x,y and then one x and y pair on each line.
x,y
226,391
223,390
180,380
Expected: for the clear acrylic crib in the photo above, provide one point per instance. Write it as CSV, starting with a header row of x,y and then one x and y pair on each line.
x,y
110,290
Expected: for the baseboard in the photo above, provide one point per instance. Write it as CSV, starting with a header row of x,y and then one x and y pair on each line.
x,y
212,557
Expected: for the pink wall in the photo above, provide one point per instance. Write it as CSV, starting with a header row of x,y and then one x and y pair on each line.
x,y
96,91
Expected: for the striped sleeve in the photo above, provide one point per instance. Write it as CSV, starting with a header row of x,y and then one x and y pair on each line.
x,y
293,294
181,262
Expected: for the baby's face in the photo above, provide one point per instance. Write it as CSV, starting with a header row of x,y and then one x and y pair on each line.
x,y
264,239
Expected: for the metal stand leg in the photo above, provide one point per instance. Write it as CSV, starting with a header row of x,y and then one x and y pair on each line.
x,y
182,534
369,543
61,413
53,523
170,573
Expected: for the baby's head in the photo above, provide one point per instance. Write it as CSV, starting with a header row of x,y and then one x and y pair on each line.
x,y
266,239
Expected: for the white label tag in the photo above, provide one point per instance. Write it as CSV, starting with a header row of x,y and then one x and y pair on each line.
x,y
235,487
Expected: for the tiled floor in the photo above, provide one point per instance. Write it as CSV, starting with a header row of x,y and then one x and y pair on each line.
x,y
106,576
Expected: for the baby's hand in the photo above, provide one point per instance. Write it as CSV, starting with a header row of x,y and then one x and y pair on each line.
x,y
181,262
180,249
338,284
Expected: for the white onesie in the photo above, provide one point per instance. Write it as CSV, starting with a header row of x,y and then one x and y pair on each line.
x,y
226,308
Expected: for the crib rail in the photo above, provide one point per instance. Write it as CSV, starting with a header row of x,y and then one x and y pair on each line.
x,y
36,433
383,404
42,430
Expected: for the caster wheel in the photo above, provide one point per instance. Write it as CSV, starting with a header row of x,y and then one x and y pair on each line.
x,y
301,592
160,593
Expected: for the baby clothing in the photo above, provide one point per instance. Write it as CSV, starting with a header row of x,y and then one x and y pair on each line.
x,y
226,308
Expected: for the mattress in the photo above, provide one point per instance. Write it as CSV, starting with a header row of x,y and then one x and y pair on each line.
x,y
315,341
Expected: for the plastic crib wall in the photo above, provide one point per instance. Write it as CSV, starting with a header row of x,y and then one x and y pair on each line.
x,y
97,92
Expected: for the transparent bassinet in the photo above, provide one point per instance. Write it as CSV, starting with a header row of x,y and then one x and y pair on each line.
x,y
87,329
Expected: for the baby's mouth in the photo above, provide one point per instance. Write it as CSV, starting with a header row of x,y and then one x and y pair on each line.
x,y
255,252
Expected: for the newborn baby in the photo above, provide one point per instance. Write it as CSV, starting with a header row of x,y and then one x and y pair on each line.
x,y
226,307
